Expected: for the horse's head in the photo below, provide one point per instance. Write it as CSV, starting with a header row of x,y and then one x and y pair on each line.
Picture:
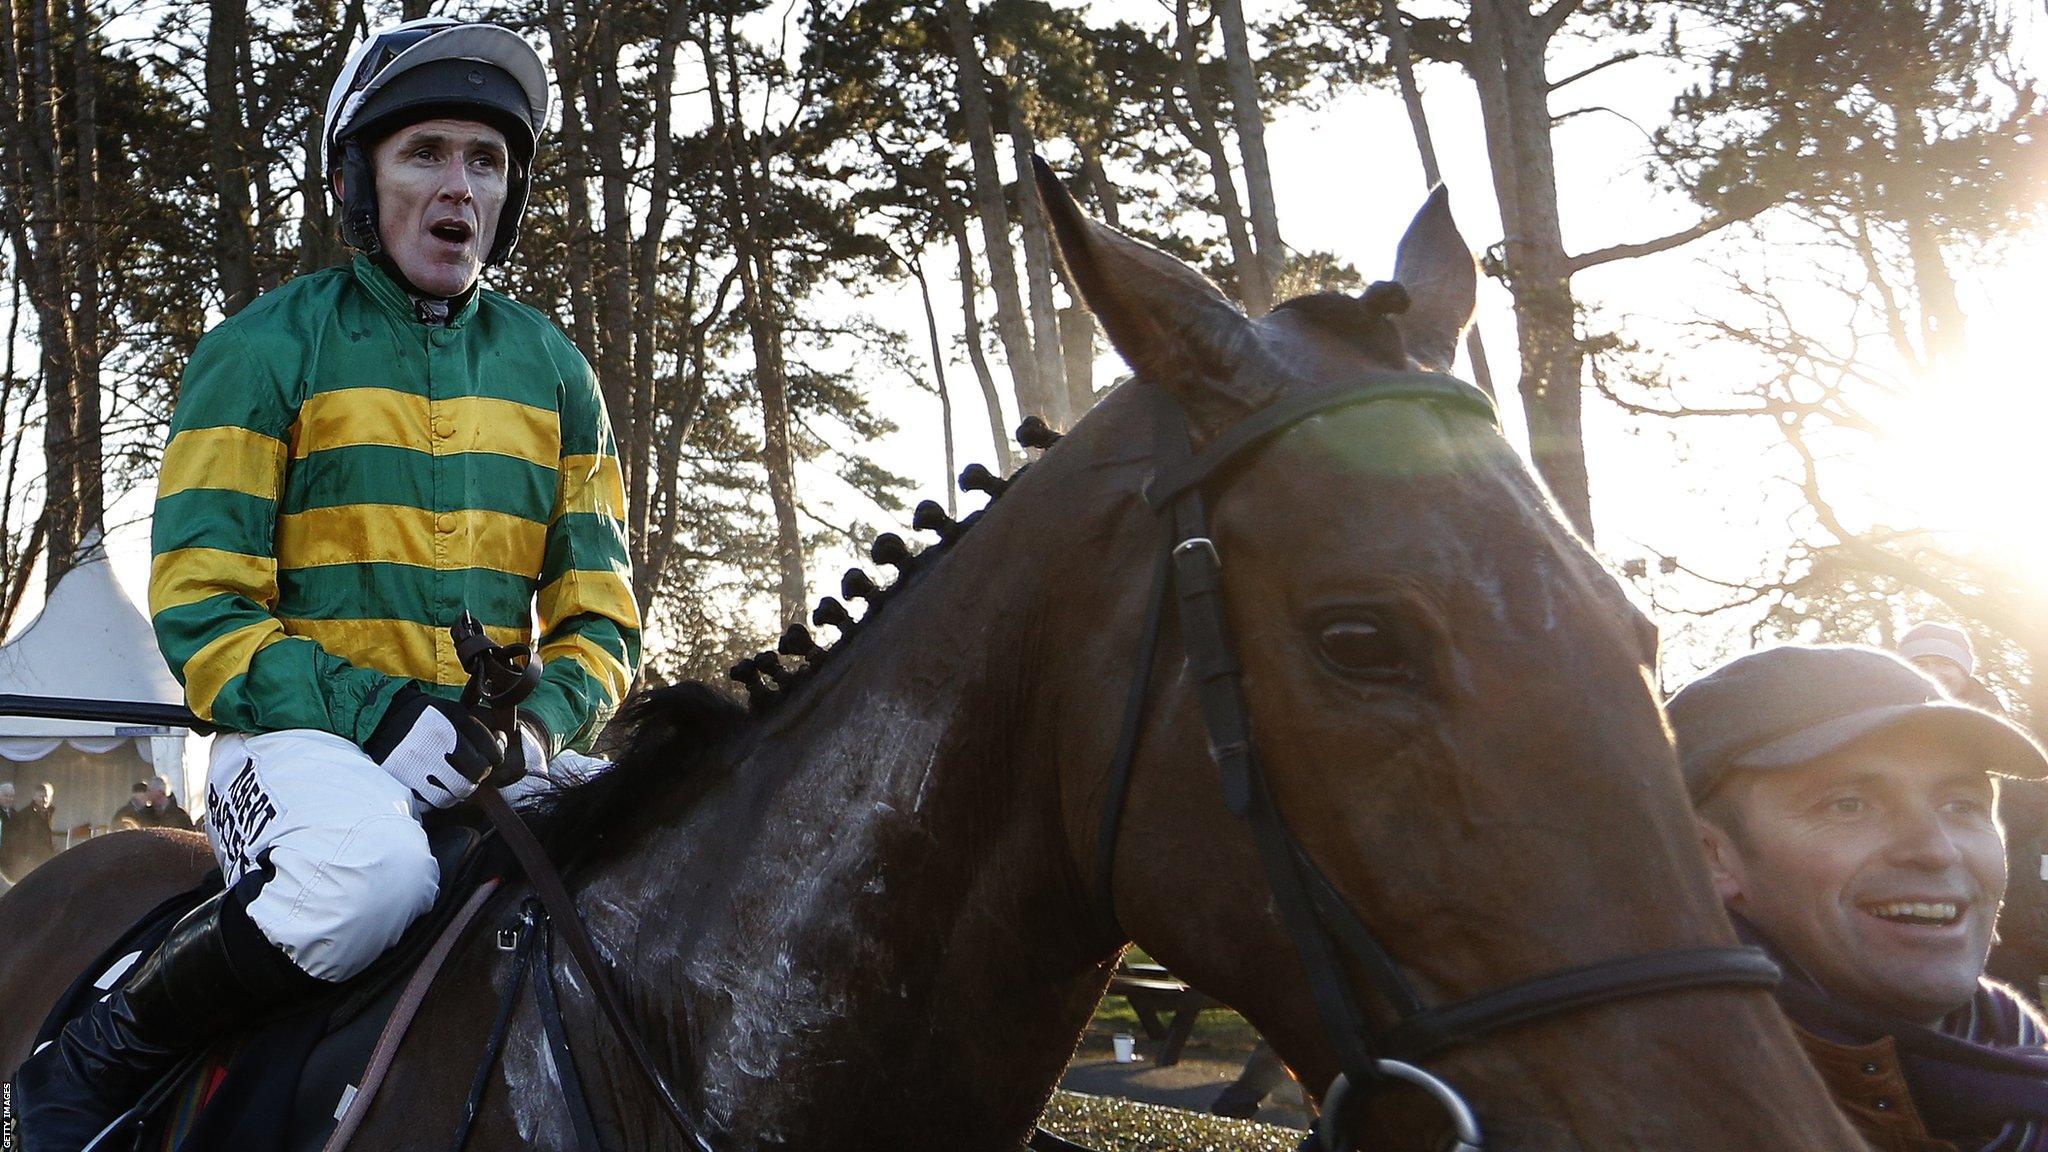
x,y
1451,705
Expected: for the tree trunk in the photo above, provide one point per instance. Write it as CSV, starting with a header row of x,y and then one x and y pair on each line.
x,y
758,289
1508,45
1198,122
1038,265
45,244
574,167
647,303
1099,187
931,326
1077,345
1942,336
227,29
17,396
1249,116
320,243
1011,325
615,321
87,433
970,316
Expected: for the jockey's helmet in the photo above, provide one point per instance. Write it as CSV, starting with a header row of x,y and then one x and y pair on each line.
x,y
420,70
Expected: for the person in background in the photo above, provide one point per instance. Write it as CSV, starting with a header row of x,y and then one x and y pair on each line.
x,y
1944,652
8,813
30,839
138,812
1845,808
165,806
2020,955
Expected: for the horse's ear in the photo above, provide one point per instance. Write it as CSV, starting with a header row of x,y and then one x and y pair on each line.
x,y
1165,319
1435,266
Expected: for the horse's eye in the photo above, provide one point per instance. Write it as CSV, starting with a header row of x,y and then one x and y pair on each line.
x,y
1363,648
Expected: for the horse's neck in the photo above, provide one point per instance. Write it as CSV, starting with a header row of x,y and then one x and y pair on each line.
x,y
881,891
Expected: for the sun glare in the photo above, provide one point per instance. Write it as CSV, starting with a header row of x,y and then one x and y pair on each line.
x,y
1966,456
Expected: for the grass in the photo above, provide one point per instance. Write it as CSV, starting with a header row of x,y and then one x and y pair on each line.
x,y
1219,1032
1128,1126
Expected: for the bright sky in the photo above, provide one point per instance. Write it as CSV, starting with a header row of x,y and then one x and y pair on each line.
x,y
1348,180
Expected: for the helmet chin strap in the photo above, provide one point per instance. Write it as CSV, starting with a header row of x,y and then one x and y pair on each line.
x,y
359,199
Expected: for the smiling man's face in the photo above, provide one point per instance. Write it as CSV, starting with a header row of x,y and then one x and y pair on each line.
x,y
1878,869
440,187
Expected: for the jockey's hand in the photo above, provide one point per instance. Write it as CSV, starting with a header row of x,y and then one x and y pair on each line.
x,y
435,747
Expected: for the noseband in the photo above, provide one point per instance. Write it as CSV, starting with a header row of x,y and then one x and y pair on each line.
x,y
1322,925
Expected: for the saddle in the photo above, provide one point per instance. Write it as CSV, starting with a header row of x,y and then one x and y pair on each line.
x,y
284,1084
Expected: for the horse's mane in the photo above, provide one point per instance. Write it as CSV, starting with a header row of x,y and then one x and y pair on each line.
x,y
1361,321
665,741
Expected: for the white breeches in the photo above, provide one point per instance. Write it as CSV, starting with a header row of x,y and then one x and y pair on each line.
x,y
340,861
343,859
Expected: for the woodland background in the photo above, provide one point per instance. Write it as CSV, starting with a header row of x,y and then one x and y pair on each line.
x,y
732,191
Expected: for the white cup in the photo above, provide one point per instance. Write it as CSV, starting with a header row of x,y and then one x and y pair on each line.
x,y
1126,1048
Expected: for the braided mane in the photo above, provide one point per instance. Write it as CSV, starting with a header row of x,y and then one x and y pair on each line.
x,y
666,742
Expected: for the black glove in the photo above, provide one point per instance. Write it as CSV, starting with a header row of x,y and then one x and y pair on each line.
x,y
435,747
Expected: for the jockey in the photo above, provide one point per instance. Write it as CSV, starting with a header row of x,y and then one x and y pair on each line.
x,y
357,459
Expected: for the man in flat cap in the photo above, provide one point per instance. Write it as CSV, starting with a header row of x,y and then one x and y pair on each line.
x,y
1847,809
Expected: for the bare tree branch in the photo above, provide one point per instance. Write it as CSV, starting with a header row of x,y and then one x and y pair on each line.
x,y
1581,74
1552,18
1684,236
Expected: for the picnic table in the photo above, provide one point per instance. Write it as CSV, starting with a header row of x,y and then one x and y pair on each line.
x,y
1166,1008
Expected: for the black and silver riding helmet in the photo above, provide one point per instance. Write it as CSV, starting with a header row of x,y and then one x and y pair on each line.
x,y
420,70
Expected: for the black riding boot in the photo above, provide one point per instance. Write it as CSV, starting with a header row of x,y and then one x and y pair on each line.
x,y
213,973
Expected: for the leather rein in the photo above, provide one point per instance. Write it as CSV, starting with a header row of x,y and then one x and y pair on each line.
x,y
1325,931
500,676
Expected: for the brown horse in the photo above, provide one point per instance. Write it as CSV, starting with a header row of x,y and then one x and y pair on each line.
x,y
868,918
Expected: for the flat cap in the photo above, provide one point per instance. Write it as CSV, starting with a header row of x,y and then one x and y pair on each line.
x,y
1788,706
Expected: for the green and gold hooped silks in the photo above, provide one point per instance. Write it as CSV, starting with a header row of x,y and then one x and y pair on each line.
x,y
342,482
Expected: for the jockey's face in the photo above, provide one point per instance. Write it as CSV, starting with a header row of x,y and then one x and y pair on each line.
x,y
440,187
1948,672
1877,869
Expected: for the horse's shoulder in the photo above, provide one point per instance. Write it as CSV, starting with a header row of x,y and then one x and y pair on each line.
x,y
74,907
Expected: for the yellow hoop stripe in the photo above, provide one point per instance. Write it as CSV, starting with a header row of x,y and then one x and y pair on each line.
x,y
232,458
592,483
351,416
398,534
603,667
396,647
226,657
604,593
188,575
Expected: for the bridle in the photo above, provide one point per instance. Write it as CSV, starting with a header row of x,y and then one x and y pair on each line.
x,y
1324,929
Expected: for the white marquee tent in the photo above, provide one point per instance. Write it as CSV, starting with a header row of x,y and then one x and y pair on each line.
x,y
91,641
